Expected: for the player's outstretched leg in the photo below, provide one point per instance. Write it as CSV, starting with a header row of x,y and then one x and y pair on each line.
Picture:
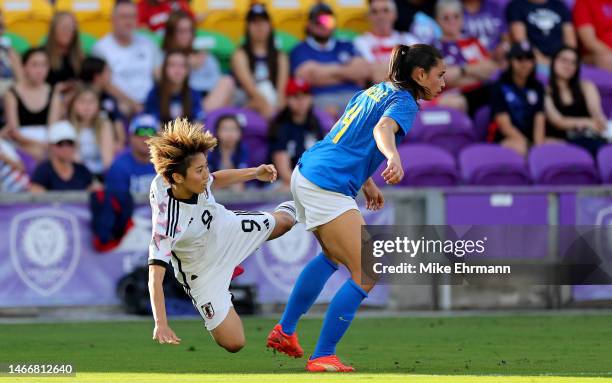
x,y
342,239
308,286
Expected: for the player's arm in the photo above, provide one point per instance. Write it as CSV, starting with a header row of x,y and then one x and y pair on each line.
x,y
228,177
373,196
162,332
384,134
160,250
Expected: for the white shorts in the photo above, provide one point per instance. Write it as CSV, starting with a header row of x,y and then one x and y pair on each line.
x,y
316,206
210,289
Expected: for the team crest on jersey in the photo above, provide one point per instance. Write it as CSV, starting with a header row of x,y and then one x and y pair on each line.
x,y
44,248
208,310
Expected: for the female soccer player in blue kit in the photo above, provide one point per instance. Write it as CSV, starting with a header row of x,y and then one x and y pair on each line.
x,y
324,186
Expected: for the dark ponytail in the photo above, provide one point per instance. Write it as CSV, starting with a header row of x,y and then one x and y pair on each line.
x,y
404,59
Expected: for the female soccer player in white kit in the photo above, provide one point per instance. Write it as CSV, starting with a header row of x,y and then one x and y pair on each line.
x,y
202,240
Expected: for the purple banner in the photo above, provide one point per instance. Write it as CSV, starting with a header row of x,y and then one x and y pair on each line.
x,y
496,209
593,211
46,258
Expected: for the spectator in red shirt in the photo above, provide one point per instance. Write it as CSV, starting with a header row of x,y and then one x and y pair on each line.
x,y
593,20
469,65
377,44
153,14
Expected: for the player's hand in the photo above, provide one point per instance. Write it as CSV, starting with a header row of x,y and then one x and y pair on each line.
x,y
393,173
266,173
164,335
373,196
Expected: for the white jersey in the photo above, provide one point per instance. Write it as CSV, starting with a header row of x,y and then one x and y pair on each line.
x,y
378,49
132,66
204,242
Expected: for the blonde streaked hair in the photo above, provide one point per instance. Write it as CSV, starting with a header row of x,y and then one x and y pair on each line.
x,y
173,147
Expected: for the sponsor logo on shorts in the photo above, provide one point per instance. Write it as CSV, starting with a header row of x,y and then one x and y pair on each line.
x,y
209,311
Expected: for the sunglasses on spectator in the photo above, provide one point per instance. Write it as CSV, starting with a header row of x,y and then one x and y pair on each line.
x,y
327,21
65,143
145,131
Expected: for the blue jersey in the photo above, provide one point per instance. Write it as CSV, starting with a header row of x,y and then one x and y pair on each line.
x,y
348,155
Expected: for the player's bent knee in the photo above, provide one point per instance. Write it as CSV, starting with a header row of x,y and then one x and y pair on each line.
x,y
234,346
233,343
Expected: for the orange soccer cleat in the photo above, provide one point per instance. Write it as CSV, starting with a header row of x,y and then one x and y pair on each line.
x,y
287,344
329,363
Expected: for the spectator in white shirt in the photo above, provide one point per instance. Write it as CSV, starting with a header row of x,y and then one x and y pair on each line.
x,y
376,44
132,58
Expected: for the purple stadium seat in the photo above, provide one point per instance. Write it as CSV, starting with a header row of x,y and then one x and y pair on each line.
x,y
603,80
490,164
562,164
447,128
258,149
254,131
604,160
252,122
424,165
482,118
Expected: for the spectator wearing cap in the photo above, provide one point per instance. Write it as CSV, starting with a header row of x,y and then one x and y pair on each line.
x,y
518,103
485,20
132,171
133,58
593,21
295,129
261,70
375,45
469,64
61,172
172,97
547,25
332,67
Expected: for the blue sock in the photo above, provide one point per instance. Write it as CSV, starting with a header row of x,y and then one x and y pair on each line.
x,y
339,315
306,290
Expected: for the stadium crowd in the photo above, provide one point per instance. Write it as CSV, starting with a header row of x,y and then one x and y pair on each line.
x,y
77,121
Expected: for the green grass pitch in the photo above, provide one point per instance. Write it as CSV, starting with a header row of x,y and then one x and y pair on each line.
x,y
479,349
